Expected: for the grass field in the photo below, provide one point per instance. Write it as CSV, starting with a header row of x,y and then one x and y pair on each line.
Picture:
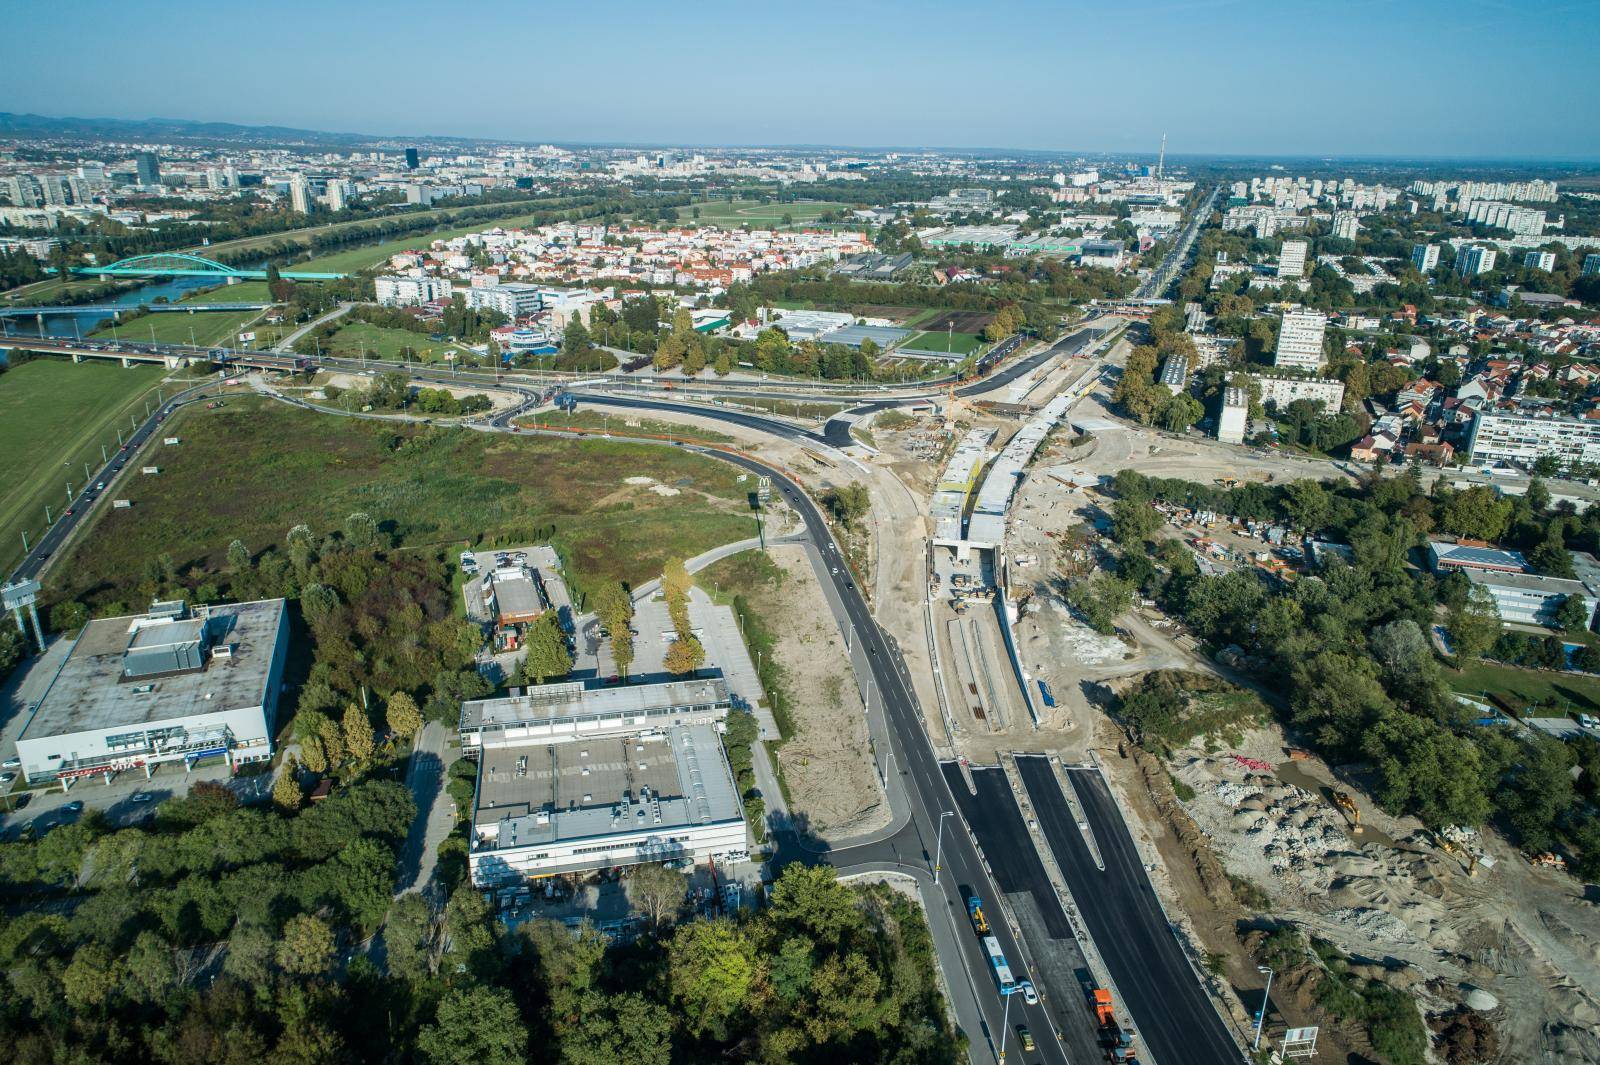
x,y
358,339
732,214
1524,687
953,343
202,327
424,486
241,292
54,416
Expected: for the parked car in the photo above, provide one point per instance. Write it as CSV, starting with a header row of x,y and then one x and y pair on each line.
x,y
11,763
74,807
7,777
142,796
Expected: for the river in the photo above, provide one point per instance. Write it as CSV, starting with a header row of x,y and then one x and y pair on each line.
x,y
76,323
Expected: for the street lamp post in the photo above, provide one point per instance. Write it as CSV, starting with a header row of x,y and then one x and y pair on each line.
x,y
1266,996
1005,1024
938,851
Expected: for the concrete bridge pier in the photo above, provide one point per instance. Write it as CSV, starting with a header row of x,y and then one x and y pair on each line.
x,y
76,357
39,321
232,279
126,362
174,362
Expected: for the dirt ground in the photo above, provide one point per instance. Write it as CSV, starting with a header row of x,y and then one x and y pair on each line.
x,y
826,765
1386,896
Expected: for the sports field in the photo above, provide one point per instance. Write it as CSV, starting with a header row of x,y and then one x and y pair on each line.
x,y
948,343
54,416
735,213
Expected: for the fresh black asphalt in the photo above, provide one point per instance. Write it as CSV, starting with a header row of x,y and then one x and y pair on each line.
x,y
1168,1008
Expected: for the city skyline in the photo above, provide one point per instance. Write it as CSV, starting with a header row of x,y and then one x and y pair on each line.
x,y
1086,80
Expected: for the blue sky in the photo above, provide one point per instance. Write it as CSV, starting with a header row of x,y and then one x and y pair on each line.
x,y
1475,78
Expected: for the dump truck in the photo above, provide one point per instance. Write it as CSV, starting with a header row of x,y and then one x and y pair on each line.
x,y
1117,1040
980,923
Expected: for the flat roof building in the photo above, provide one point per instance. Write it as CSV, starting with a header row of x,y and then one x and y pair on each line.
x,y
171,685
1532,599
1300,339
1234,417
554,712
1447,555
603,801
1517,438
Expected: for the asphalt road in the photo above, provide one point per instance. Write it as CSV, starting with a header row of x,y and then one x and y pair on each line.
x,y
1169,1009
997,822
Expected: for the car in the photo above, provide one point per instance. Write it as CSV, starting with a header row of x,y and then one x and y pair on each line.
x,y
142,796
69,511
7,777
74,807
1029,995
1025,1037
11,763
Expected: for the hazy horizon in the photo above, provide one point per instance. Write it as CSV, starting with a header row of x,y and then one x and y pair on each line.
x,y
1468,81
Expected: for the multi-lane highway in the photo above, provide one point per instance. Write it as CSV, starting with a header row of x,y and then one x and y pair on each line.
x,y
1125,919
921,790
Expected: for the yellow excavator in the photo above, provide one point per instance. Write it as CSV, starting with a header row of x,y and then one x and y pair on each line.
x,y
1463,854
1348,807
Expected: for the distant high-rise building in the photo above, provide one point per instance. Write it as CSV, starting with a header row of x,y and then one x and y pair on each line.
x,y
23,190
1540,260
300,194
54,187
1591,264
148,168
335,197
215,179
1346,225
1472,260
411,159
1235,416
1292,259
1424,257
1300,340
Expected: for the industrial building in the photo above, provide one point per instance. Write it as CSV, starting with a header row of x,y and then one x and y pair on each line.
x,y
1447,555
572,779
1532,599
171,685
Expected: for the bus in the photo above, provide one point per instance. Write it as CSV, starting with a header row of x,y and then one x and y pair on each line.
x,y
997,961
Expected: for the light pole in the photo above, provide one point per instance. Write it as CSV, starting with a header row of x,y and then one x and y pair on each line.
x,y
938,851
1261,1015
1005,1024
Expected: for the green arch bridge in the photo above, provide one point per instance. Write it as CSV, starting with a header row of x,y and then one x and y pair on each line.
x,y
178,264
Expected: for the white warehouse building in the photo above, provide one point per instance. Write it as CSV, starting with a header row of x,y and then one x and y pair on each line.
x,y
572,779
173,685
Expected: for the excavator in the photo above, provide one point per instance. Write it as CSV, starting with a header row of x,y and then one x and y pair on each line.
x,y
1348,807
1465,855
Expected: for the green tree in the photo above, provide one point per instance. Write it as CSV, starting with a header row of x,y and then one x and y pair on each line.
x,y
685,655
1572,615
547,650
403,716
361,531
238,557
475,1026
306,946
286,789
657,892
1478,512
711,970
356,729
624,1027
1475,625
1133,522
